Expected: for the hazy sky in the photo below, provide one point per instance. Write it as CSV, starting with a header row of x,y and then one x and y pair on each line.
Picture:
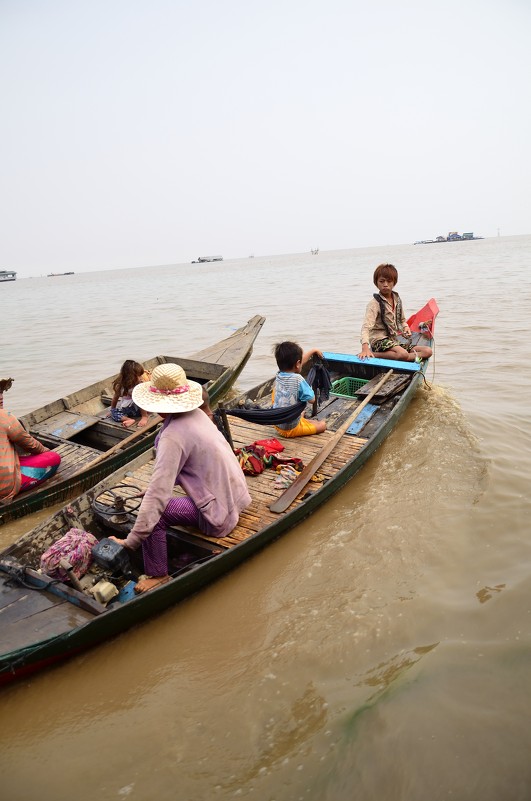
x,y
143,132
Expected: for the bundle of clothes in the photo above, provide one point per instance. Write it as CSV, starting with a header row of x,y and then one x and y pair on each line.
x,y
254,458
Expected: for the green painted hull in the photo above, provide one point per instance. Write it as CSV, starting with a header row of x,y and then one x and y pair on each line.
x,y
37,654
224,361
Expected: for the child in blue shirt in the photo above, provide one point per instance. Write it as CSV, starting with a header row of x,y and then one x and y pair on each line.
x,y
291,387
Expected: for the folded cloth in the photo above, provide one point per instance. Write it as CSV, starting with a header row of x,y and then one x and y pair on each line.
x,y
251,462
286,476
280,461
270,445
255,457
76,547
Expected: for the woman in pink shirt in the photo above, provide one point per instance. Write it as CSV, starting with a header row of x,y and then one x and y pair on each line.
x,y
191,452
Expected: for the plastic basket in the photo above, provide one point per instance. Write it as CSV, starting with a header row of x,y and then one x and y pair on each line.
x,y
347,387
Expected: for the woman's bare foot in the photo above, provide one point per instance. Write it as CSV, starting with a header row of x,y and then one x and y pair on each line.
x,y
149,583
142,422
127,422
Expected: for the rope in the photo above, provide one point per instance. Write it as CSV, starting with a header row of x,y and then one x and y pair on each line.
x,y
17,575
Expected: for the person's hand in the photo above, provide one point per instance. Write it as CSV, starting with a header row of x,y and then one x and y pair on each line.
x,y
118,540
309,354
366,353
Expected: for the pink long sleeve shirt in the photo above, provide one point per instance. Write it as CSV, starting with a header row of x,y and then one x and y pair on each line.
x,y
193,453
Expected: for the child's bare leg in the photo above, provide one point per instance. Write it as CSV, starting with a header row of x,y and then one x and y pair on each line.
x,y
424,351
320,426
395,353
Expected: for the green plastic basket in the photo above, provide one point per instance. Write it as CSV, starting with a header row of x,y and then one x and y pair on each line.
x,y
347,387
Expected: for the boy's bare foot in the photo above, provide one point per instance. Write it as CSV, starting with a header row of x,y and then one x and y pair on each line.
x,y
127,422
149,583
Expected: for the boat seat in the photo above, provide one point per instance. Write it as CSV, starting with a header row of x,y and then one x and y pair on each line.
x,y
65,425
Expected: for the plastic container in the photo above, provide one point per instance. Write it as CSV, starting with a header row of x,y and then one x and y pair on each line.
x,y
347,387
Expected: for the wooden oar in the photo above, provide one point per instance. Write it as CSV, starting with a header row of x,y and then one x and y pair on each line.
x,y
289,494
119,445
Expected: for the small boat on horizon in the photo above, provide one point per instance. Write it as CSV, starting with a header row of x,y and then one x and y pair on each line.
x,y
203,259
8,275
54,275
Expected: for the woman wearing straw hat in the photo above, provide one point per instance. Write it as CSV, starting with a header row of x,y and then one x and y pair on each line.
x,y
190,452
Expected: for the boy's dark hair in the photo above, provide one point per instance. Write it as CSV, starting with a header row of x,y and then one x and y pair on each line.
x,y
388,271
287,355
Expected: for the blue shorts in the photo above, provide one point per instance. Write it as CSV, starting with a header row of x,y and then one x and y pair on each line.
x,y
127,411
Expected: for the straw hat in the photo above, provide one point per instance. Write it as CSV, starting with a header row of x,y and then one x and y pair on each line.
x,y
169,391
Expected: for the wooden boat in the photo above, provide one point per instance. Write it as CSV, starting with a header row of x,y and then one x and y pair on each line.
x,y
44,621
92,445
8,275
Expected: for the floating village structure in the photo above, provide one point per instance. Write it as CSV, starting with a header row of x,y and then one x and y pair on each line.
x,y
453,236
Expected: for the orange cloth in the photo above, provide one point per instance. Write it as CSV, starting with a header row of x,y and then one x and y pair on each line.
x,y
303,429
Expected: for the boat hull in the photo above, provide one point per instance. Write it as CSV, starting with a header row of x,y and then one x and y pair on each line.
x,y
257,528
216,367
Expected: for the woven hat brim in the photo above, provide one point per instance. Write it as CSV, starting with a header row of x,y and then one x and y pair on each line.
x,y
168,404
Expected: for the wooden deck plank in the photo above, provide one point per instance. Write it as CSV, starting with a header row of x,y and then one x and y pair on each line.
x,y
23,613
73,457
261,487
65,424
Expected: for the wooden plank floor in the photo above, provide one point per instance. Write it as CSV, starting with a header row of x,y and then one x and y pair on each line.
x,y
28,615
73,458
261,487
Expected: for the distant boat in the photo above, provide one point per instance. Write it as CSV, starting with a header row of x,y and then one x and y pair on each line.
x,y
453,236
54,275
202,259
8,275
315,251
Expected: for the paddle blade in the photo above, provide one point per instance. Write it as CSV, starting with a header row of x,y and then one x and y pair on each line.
x,y
423,322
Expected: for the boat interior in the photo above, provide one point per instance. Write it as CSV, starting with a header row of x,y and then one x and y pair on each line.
x,y
112,508
83,418
80,428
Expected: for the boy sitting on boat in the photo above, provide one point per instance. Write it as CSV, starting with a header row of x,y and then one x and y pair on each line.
x,y
290,387
385,332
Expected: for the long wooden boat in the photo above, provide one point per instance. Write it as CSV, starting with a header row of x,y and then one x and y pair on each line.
x,y
43,621
92,445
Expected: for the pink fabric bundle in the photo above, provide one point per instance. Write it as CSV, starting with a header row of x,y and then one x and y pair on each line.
x,y
76,547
